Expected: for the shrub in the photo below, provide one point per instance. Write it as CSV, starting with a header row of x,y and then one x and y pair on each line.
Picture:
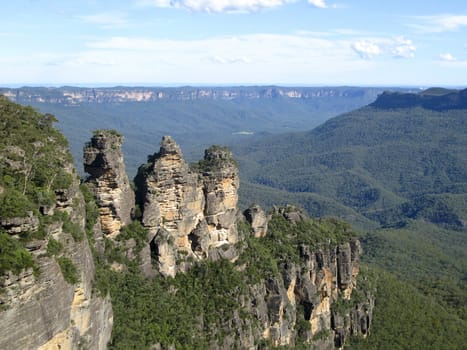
x,y
13,257
69,271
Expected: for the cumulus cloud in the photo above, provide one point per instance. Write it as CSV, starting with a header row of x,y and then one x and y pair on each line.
x,y
447,57
318,3
218,6
403,48
366,49
441,23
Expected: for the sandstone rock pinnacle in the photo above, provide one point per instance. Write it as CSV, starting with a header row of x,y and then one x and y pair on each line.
x,y
103,160
189,211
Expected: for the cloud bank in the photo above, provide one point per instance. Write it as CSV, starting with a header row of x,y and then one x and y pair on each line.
x,y
218,6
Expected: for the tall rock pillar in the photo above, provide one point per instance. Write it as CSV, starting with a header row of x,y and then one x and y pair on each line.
x,y
103,160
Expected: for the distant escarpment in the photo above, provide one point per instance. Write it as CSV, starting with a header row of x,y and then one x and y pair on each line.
x,y
47,271
435,98
69,95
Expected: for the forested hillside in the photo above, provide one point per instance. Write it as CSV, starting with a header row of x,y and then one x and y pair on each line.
x,y
398,173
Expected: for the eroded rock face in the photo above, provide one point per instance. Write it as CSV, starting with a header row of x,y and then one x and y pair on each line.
x,y
301,305
220,186
103,160
258,220
45,311
189,212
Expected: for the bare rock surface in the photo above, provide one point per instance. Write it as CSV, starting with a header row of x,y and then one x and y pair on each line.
x,y
103,160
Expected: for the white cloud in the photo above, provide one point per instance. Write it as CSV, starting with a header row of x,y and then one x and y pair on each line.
x,y
441,23
447,57
398,47
251,58
366,49
318,3
403,48
218,6
109,20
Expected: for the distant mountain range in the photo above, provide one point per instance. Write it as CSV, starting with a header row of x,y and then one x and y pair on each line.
x,y
196,117
69,95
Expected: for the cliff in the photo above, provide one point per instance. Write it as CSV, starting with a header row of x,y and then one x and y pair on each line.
x,y
73,96
47,270
312,299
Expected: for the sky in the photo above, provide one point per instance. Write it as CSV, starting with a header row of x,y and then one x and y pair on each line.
x,y
234,42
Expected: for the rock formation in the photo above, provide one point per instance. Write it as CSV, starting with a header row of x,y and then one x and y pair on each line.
x,y
306,300
103,160
189,212
39,307
258,220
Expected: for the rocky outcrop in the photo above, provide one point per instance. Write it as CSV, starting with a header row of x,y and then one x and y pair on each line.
x,y
44,311
103,160
47,270
314,300
188,212
258,220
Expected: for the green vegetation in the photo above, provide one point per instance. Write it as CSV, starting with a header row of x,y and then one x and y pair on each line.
x,y
112,132
15,204
134,231
73,229
69,271
13,257
34,166
212,160
54,247
33,154
400,176
404,318
195,308
266,256
92,212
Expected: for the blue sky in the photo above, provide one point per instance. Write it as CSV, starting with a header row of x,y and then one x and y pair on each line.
x,y
222,42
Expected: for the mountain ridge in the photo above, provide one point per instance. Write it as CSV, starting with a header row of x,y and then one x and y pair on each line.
x,y
70,95
433,98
